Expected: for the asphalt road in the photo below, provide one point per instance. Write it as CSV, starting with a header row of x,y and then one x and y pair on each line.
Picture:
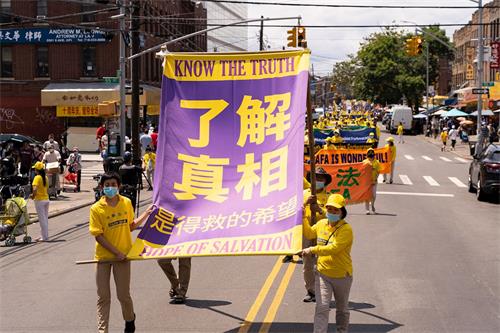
x,y
428,262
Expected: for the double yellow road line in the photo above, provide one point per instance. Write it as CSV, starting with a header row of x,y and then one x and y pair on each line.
x,y
278,297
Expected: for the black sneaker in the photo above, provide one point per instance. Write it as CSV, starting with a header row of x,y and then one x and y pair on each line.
x,y
179,299
287,259
130,326
310,297
172,293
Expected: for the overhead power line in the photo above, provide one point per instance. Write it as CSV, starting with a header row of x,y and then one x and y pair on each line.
x,y
348,5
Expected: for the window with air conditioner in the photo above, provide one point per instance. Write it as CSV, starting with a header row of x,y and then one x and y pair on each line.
x,y
89,61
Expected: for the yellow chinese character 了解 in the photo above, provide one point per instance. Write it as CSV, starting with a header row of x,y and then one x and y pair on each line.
x,y
257,122
214,108
164,221
202,176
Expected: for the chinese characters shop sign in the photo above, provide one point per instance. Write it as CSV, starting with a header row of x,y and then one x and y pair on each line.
x,y
51,35
229,172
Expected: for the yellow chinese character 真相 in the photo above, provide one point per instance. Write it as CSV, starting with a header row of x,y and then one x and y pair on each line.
x,y
203,176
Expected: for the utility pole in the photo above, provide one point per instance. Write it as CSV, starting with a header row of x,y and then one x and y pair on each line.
x,y
261,36
427,76
136,63
122,79
480,63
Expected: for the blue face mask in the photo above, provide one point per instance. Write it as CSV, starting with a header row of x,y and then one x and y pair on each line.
x,y
110,192
332,217
320,185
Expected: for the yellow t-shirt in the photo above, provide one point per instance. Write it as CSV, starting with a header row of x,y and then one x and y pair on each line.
x,y
444,136
336,139
400,129
375,164
392,152
322,198
41,191
114,224
334,257
148,157
371,140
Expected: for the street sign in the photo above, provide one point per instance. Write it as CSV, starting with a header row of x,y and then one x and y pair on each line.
x,y
470,72
111,79
488,84
480,91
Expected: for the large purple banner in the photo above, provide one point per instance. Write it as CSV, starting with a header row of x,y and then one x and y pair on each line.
x,y
229,167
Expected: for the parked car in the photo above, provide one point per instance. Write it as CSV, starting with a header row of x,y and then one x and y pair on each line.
x,y
18,139
484,173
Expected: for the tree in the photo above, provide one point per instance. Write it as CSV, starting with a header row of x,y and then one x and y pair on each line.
x,y
343,74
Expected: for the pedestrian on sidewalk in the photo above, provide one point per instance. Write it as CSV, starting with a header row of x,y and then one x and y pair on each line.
x,y
51,142
101,130
178,283
145,141
40,196
75,166
148,165
453,137
399,132
392,155
53,156
334,269
26,157
111,222
444,138
375,166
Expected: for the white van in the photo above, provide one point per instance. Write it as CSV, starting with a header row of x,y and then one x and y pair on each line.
x,y
401,114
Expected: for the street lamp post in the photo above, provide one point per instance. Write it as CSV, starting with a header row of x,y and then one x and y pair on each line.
x,y
480,75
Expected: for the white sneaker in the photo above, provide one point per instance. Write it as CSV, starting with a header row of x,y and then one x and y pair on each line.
x,y
367,212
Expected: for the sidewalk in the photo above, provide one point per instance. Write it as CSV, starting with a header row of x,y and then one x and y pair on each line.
x,y
462,149
91,157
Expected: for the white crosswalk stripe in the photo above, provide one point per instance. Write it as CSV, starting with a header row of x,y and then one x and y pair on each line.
x,y
461,159
431,181
445,159
426,158
405,179
457,182
409,157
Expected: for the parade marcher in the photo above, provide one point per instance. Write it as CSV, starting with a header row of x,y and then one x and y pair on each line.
x,y
392,154
375,166
328,144
334,269
444,138
40,196
336,137
178,283
316,204
75,166
400,132
51,142
371,140
148,165
111,222
453,135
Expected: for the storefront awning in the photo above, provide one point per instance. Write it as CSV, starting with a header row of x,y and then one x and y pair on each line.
x,y
92,93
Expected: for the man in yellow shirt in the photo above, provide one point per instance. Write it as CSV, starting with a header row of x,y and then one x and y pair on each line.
x,y
371,140
336,138
334,269
148,165
111,223
444,138
392,156
399,132
375,166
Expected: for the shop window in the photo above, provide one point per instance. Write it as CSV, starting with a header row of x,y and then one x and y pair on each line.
x,y
42,61
41,8
5,11
6,61
89,61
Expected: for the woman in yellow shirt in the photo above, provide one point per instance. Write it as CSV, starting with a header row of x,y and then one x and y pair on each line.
x,y
40,196
334,268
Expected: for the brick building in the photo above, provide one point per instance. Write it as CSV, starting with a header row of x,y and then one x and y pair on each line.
x,y
466,44
65,48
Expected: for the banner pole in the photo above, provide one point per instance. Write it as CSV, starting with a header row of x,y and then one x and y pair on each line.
x,y
310,135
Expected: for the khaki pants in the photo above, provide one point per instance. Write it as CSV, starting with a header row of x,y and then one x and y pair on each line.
x,y
121,275
179,283
340,288
308,263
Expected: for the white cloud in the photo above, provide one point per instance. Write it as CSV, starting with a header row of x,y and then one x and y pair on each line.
x,y
332,45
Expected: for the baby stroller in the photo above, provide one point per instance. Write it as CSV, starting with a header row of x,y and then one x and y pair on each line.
x,y
14,221
70,180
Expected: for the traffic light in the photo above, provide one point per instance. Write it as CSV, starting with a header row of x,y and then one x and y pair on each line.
x,y
333,87
418,45
301,37
292,37
410,47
